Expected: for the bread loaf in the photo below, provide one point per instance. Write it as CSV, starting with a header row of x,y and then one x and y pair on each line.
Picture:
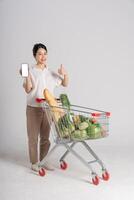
x,y
57,112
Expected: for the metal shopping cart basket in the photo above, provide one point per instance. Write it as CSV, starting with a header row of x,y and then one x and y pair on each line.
x,y
77,125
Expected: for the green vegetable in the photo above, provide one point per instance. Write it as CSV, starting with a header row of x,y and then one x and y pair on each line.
x,y
95,132
76,134
88,129
79,135
83,118
83,125
66,127
84,134
65,101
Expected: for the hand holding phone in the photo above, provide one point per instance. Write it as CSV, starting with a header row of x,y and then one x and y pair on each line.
x,y
24,70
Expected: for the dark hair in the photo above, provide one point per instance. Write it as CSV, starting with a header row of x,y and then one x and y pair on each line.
x,y
38,46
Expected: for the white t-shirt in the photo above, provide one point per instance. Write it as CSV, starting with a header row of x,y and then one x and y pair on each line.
x,y
42,79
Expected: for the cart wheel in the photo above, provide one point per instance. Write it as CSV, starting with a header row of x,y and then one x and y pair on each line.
x,y
105,176
63,165
42,172
95,180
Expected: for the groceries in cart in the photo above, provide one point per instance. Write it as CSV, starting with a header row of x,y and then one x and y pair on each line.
x,y
71,125
75,124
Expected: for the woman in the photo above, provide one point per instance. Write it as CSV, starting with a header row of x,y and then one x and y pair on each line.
x,y
39,78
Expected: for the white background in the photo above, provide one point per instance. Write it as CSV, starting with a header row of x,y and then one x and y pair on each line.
x,y
94,40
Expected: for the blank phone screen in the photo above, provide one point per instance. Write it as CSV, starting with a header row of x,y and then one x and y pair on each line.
x,y
24,68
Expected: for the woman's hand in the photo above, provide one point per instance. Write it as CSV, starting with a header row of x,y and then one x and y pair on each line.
x,y
63,73
62,70
20,72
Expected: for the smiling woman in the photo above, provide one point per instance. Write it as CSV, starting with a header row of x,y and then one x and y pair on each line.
x,y
39,78
40,53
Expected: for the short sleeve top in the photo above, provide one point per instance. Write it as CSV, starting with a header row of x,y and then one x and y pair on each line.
x,y
42,79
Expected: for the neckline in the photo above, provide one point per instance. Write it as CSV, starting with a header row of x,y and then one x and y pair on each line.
x,y
40,69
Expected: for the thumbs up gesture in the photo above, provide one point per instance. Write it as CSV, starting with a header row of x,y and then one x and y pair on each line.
x,y
62,70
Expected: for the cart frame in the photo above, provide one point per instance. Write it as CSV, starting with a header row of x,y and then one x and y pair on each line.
x,y
69,144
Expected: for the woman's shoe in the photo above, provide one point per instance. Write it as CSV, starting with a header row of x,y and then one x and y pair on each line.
x,y
35,167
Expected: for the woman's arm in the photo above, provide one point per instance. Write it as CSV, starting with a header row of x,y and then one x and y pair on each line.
x,y
28,84
65,80
63,72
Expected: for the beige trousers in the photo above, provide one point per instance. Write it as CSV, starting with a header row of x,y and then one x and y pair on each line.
x,y
38,130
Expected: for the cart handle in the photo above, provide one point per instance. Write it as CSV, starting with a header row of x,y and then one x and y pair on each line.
x,y
99,114
41,100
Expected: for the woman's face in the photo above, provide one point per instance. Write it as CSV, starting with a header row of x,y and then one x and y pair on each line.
x,y
41,56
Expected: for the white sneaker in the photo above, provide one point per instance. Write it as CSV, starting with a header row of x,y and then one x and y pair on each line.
x,y
35,167
47,166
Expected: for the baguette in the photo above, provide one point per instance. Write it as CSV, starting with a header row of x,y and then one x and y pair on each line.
x,y
50,99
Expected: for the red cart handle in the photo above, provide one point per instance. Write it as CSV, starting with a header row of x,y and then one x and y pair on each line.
x,y
108,114
99,114
40,100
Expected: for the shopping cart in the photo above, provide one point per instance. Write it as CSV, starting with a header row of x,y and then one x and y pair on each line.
x,y
68,129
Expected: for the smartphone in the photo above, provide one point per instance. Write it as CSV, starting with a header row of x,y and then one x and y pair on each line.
x,y
24,69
